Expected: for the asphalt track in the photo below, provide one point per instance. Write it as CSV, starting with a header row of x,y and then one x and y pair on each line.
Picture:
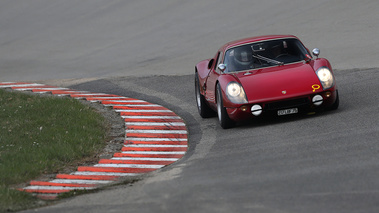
x,y
147,50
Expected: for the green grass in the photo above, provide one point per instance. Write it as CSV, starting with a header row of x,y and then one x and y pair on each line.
x,y
41,135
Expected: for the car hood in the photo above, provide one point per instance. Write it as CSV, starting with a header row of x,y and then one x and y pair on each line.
x,y
279,82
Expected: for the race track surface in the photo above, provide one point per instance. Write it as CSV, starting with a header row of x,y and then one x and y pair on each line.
x,y
53,39
327,162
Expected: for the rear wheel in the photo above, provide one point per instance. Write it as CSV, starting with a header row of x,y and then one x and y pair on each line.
x,y
204,110
223,116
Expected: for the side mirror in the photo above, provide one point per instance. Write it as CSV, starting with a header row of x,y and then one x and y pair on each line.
x,y
316,52
222,67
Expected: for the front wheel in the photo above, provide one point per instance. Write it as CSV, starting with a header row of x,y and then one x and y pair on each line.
x,y
223,116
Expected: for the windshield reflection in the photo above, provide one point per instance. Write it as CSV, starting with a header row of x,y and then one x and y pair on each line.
x,y
264,54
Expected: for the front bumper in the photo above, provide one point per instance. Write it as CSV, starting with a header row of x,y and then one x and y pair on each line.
x,y
311,102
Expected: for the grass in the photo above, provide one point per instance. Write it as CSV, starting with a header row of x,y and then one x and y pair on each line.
x,y
41,135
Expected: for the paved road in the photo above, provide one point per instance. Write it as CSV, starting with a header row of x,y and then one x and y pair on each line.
x,y
147,49
54,39
326,162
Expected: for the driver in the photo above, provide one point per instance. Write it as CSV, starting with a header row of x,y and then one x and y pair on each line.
x,y
243,58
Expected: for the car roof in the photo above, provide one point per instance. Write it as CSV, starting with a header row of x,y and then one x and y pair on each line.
x,y
254,39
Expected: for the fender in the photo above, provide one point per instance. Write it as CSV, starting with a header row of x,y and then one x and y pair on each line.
x,y
224,80
202,69
320,62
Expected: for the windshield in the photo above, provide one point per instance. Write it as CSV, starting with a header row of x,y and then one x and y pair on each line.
x,y
264,54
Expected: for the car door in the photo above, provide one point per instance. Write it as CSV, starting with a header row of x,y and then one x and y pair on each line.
x,y
212,79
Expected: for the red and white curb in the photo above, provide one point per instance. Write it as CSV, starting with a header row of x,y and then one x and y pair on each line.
x,y
154,137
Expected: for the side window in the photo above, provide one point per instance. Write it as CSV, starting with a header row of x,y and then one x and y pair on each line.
x,y
219,58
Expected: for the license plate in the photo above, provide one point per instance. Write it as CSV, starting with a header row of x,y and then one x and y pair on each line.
x,y
288,111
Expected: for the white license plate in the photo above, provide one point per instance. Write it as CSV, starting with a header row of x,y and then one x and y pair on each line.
x,y
288,111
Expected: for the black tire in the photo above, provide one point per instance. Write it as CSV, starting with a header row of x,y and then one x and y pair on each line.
x,y
223,116
336,103
204,110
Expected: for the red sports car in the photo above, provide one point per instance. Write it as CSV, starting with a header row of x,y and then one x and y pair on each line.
x,y
273,74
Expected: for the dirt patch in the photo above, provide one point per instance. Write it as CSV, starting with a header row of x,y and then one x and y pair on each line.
x,y
116,130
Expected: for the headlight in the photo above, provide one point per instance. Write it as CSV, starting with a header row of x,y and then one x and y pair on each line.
x,y
235,93
326,77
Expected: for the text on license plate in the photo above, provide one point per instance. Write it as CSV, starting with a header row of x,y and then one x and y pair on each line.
x,y
288,111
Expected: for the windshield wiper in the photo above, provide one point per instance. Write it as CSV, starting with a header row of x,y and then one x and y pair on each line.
x,y
269,60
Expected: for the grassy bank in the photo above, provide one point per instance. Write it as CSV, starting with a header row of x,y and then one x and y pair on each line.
x,y
40,135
